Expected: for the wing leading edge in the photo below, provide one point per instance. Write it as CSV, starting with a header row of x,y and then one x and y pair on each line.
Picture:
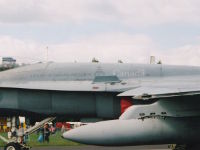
x,y
145,93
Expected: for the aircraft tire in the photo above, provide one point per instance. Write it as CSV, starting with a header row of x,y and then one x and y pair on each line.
x,y
186,147
12,146
180,147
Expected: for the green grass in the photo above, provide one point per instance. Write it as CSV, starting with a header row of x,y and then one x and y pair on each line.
x,y
55,140
1,142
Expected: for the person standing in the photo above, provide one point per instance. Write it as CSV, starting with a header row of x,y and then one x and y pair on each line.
x,y
46,133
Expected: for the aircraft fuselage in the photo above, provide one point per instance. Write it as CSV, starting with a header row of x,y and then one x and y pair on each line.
x,y
79,90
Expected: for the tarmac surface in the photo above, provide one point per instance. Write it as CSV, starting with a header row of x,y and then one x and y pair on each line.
x,y
146,147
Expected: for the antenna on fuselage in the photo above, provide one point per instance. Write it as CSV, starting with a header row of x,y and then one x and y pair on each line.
x,y
152,59
94,60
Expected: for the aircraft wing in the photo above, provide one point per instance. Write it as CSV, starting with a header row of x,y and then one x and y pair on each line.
x,y
146,93
165,87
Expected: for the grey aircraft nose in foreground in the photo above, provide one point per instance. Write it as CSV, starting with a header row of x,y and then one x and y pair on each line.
x,y
165,100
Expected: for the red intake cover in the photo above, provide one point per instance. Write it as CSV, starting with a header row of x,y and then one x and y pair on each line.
x,y
125,103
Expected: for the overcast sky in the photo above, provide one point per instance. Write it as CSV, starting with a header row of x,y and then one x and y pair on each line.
x,y
78,30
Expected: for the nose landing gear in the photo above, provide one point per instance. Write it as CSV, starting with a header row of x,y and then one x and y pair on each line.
x,y
12,146
15,141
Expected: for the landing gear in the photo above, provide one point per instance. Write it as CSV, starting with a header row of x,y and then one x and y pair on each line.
x,y
185,147
180,147
12,146
16,138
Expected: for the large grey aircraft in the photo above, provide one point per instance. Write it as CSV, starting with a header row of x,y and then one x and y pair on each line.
x,y
165,100
168,112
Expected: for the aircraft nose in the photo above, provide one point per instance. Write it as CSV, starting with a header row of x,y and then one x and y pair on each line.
x,y
81,134
72,135
94,134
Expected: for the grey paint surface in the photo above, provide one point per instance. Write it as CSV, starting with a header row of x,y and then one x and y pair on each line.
x,y
75,77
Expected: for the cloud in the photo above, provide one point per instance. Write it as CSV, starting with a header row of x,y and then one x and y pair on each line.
x,y
45,11
21,11
106,47
129,12
129,48
23,50
184,55
152,12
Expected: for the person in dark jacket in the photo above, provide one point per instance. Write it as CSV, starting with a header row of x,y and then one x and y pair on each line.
x,y
46,133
